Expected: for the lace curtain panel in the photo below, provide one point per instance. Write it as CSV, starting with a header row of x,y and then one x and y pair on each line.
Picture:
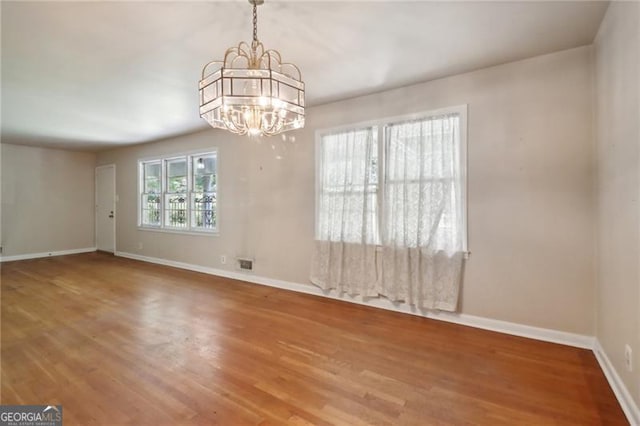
x,y
395,231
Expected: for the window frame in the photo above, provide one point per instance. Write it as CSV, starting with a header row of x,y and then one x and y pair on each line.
x,y
379,126
189,158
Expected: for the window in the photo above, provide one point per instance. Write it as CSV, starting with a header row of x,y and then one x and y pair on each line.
x,y
397,182
348,190
179,193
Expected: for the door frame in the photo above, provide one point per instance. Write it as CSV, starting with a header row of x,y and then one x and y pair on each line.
x,y
115,204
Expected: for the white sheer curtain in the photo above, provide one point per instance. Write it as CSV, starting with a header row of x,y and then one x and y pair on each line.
x,y
396,231
423,222
347,212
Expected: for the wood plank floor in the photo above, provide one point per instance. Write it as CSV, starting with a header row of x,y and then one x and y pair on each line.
x,y
116,341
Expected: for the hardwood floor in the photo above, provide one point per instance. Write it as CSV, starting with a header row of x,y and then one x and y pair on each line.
x,y
116,341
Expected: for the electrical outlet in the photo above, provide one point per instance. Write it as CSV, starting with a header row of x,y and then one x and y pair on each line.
x,y
140,246
628,357
223,259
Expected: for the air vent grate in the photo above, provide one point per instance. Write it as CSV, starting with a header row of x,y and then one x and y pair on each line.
x,y
245,264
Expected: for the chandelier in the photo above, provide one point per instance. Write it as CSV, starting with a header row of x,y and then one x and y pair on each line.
x,y
252,91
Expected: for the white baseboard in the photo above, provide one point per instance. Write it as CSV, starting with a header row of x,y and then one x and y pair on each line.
x,y
547,335
45,254
629,406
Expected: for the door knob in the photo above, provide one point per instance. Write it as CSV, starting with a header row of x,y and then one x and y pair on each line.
x,y
111,214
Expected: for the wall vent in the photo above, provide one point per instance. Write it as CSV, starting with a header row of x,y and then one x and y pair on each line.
x,y
245,264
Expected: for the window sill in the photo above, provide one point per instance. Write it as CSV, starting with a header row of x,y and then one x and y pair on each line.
x,y
179,232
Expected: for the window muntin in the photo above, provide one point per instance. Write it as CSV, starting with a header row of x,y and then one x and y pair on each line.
x,y
179,193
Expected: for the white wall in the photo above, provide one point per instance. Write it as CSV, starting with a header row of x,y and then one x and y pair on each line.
x,y
47,200
618,187
530,190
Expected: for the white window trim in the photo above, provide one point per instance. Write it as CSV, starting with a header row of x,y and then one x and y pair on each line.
x,y
380,124
167,229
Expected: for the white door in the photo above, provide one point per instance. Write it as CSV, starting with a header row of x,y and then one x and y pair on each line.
x,y
106,208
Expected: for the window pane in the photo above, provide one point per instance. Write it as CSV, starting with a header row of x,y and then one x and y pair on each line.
x,y
423,147
204,173
151,177
347,215
150,209
177,175
176,211
347,205
203,211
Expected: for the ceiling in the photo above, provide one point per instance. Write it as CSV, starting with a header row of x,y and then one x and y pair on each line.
x,y
88,75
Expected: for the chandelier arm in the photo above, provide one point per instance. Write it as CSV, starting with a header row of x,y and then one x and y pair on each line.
x,y
236,58
276,54
244,47
226,121
259,60
238,122
232,124
204,69
237,51
230,51
275,126
289,64
274,129
266,123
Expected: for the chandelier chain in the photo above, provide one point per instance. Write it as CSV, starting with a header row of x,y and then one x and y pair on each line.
x,y
255,22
